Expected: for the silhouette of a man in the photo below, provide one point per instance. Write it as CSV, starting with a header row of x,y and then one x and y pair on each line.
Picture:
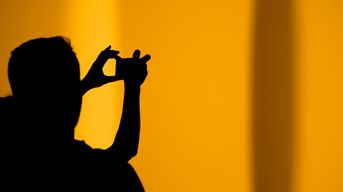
x,y
38,121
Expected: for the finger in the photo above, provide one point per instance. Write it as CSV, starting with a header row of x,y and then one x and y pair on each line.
x,y
108,48
104,56
136,54
112,53
115,51
109,79
146,58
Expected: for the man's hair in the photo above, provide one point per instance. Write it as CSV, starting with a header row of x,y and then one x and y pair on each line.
x,y
40,61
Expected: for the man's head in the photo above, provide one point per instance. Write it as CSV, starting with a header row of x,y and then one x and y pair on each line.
x,y
44,76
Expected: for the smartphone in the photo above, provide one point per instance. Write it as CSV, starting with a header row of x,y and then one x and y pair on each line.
x,y
122,66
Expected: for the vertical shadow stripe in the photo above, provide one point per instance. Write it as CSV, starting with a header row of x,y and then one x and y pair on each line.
x,y
272,97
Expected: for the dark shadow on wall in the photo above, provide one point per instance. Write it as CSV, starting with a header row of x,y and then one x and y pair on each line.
x,y
273,100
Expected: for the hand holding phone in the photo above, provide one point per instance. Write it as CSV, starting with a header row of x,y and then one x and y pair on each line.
x,y
132,70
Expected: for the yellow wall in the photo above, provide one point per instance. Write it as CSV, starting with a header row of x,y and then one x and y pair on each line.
x,y
319,139
195,133
92,26
195,101
199,129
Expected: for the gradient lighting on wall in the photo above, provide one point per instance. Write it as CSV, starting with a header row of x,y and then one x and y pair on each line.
x,y
211,105
195,101
92,26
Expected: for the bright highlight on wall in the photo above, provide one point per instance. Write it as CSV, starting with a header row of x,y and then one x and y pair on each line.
x,y
92,26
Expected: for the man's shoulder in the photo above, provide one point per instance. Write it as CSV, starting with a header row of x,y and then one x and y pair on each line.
x,y
7,112
6,103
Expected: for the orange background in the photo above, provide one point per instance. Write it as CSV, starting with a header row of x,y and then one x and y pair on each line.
x,y
241,95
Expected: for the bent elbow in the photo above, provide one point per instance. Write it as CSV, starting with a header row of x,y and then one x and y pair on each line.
x,y
131,154
128,155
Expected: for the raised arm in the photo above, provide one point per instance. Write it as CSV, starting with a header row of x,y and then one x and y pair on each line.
x,y
125,145
133,71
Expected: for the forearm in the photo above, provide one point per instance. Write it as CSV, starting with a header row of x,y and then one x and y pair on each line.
x,y
127,137
125,145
